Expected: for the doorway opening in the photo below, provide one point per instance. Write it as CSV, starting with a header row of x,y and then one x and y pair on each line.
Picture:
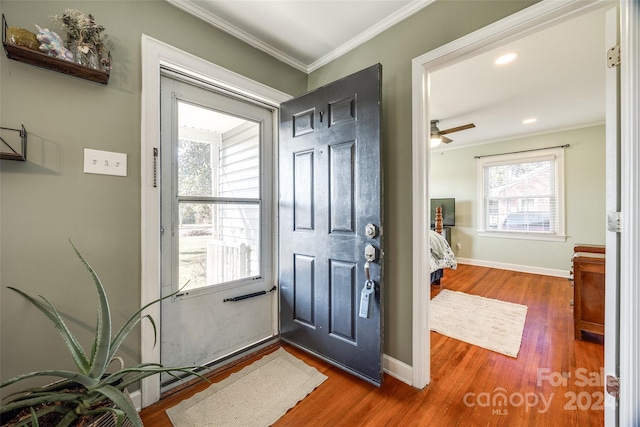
x,y
535,18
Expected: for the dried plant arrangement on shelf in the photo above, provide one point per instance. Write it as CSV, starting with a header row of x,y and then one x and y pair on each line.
x,y
87,39
52,53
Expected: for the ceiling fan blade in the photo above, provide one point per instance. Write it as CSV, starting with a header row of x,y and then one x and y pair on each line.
x,y
457,129
445,139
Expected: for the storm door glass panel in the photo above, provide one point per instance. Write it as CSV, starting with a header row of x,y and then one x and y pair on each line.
x,y
218,197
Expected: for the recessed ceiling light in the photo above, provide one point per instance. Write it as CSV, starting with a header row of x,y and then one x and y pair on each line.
x,y
529,121
505,59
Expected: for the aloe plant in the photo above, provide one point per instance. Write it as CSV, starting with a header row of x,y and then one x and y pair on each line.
x,y
86,391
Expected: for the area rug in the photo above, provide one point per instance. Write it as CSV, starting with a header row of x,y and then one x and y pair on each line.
x,y
488,323
258,395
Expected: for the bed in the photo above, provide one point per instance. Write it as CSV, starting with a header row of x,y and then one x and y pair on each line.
x,y
441,256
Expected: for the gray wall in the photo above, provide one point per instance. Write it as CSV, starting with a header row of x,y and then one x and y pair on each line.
x,y
48,200
434,26
454,174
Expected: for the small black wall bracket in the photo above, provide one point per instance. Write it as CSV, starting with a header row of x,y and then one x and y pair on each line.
x,y
13,154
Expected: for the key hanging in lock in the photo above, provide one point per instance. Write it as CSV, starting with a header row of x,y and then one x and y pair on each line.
x,y
366,298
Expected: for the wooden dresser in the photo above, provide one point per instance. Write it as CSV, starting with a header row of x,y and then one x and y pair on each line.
x,y
588,289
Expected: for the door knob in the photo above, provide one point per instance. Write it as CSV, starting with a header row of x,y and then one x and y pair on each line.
x,y
370,253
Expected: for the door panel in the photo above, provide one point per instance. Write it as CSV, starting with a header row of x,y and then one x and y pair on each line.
x,y
304,208
342,288
330,189
341,187
304,290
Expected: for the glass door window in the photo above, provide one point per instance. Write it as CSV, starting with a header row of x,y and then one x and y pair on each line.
x,y
218,198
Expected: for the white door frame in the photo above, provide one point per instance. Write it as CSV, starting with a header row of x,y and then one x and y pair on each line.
x,y
612,204
154,55
545,13
629,350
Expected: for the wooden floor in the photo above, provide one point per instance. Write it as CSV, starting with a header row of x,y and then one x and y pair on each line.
x,y
555,381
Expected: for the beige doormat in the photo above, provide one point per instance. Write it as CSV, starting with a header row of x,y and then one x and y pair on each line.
x,y
258,395
488,323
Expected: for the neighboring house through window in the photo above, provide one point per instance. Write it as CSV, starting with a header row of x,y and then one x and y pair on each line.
x,y
521,195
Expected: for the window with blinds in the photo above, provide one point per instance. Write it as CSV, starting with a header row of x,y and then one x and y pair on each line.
x,y
522,194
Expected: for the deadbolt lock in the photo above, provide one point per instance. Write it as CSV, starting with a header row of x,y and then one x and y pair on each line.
x,y
371,231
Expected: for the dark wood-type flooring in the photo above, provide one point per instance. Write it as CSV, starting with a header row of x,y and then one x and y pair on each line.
x,y
558,376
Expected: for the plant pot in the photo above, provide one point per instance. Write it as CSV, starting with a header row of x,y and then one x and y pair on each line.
x,y
108,419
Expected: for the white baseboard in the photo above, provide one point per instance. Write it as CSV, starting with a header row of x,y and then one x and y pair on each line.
x,y
515,267
136,398
397,369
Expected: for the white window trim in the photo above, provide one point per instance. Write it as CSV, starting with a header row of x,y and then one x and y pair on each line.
x,y
558,154
156,54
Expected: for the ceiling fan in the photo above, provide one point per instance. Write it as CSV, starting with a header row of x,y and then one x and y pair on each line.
x,y
437,134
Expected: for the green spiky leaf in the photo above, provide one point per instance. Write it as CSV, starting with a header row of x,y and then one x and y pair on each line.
x,y
81,393
102,340
76,351
121,401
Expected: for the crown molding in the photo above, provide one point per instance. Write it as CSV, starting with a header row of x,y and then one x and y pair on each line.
x,y
192,8
197,11
373,31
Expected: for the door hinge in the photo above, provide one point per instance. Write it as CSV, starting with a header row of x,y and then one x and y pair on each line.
x,y
613,56
613,386
614,222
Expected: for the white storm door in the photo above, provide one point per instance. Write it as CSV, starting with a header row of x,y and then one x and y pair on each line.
x,y
216,193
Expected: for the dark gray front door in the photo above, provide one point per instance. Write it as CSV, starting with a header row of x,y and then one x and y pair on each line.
x,y
330,190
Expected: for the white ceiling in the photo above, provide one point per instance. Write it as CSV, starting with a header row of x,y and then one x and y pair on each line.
x,y
558,76
201,118
305,34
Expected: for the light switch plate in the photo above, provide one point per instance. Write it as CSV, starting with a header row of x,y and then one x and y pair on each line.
x,y
105,162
